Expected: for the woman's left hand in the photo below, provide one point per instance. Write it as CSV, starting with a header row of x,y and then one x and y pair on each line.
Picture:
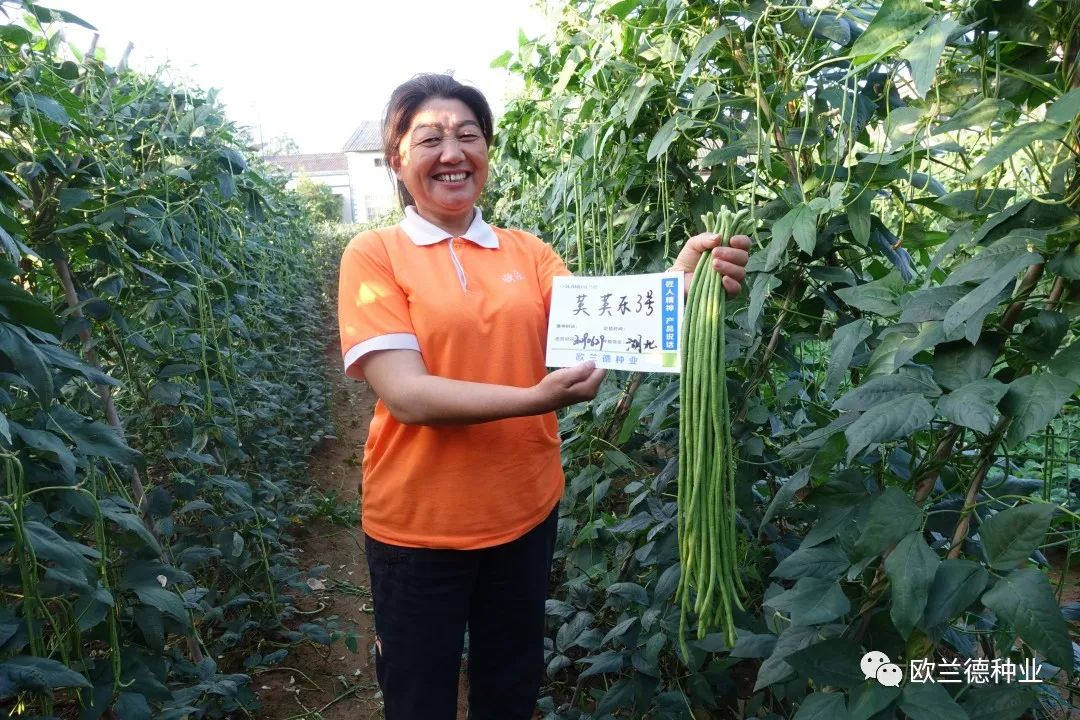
x,y
728,260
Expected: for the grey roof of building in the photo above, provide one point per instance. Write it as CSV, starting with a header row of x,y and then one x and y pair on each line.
x,y
313,163
366,138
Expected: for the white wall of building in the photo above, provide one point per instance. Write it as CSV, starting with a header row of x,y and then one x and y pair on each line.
x,y
370,185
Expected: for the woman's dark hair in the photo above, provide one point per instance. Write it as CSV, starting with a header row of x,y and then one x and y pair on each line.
x,y
407,99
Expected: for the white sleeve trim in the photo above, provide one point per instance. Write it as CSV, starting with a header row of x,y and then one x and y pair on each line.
x,y
392,341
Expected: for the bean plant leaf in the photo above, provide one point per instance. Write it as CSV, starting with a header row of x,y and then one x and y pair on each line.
x,y
878,296
925,50
27,672
704,45
1065,109
845,340
930,701
878,390
871,698
1025,600
895,23
1010,536
1013,141
973,405
823,706
891,420
832,662
1066,363
800,223
960,363
639,93
998,702
775,668
1032,401
813,601
968,306
957,584
892,515
606,662
825,561
911,568
27,361
978,115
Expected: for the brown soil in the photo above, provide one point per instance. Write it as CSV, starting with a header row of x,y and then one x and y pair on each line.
x,y
334,683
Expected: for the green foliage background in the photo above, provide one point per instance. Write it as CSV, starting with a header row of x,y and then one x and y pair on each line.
x,y
161,326
903,364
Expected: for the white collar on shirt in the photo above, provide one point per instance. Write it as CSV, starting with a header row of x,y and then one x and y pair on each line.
x,y
422,232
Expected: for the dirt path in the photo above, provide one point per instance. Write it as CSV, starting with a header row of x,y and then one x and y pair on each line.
x,y
335,683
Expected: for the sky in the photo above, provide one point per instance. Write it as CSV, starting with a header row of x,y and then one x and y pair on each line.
x,y
310,70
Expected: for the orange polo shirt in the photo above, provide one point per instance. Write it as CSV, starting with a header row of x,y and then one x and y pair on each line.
x,y
475,307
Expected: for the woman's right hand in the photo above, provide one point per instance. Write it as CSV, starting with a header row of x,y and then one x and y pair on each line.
x,y
569,385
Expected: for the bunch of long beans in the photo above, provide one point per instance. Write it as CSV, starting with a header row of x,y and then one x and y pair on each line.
x,y
707,539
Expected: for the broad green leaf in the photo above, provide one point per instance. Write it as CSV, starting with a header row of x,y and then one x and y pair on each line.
x,y
1032,401
49,673
619,695
891,420
823,706
878,296
978,202
911,568
1065,109
45,105
775,668
858,214
998,702
870,698
832,662
878,390
844,342
67,554
989,260
22,308
1025,600
1066,363
92,438
761,286
892,515
929,303
813,601
47,442
1013,141
930,335
957,584
925,50
978,115
895,23
959,363
967,306
1067,262
664,137
639,93
801,223
826,561
786,492
929,701
1043,335
1010,536
132,706
702,49
629,592
27,361
605,662
974,405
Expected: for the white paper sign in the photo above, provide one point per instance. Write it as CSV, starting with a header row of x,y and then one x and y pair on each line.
x,y
626,322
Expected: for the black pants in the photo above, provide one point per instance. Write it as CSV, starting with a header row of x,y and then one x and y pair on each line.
x,y
424,599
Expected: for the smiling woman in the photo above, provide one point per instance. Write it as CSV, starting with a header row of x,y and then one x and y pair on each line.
x,y
462,470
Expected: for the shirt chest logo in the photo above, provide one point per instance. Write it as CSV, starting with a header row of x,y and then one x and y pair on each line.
x,y
512,277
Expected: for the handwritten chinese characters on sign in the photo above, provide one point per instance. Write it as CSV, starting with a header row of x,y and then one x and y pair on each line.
x,y
627,322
